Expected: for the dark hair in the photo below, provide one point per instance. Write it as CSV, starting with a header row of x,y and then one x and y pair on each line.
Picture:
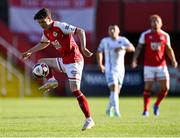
x,y
41,14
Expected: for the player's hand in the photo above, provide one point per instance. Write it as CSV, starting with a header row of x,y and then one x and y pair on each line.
x,y
86,52
26,55
134,64
174,63
101,68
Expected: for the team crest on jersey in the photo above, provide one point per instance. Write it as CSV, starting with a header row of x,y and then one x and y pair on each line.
x,y
55,34
119,42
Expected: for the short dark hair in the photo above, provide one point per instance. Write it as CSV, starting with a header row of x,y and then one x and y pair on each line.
x,y
43,13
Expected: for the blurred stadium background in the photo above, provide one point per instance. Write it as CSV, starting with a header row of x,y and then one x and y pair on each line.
x,y
19,32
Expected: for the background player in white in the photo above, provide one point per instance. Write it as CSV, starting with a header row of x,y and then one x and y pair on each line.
x,y
156,43
113,48
70,60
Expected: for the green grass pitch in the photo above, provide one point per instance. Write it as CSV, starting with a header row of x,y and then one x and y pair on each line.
x,y
61,117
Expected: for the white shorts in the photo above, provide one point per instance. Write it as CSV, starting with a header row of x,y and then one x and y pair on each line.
x,y
114,78
73,70
156,73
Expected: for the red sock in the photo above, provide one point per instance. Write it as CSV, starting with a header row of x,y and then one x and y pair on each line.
x,y
50,75
147,99
82,103
161,95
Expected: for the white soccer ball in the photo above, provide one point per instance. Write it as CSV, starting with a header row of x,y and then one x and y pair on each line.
x,y
40,70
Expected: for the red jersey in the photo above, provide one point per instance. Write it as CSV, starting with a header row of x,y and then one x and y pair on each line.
x,y
60,35
155,45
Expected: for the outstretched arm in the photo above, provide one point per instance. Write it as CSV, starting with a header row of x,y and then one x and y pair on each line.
x,y
34,49
82,37
136,55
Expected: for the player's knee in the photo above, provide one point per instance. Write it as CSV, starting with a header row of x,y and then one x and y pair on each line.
x,y
74,87
165,88
148,88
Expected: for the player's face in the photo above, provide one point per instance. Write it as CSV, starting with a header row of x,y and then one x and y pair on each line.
x,y
45,22
156,23
113,32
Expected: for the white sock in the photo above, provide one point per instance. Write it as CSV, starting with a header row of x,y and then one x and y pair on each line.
x,y
110,104
116,101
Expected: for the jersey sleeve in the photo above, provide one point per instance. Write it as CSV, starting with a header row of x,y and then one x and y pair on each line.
x,y
65,27
44,39
101,46
124,43
142,39
168,43
127,43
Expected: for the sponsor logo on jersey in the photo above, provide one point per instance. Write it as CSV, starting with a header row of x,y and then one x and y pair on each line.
x,y
155,46
56,44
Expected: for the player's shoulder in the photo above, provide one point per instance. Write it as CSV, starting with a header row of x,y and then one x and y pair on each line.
x,y
164,33
122,38
60,24
105,39
146,32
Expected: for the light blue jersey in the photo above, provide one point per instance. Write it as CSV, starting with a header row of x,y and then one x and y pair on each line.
x,y
114,58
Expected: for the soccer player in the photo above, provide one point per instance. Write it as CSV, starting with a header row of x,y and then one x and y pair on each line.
x,y
156,43
113,49
70,60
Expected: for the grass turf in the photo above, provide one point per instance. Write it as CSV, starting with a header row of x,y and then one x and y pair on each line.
x,y
61,117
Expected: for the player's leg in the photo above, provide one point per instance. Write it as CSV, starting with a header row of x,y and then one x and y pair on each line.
x,y
147,97
74,73
51,82
110,106
149,76
114,100
114,81
163,79
119,77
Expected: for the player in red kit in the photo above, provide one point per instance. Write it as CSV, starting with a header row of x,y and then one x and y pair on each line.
x,y
70,60
157,44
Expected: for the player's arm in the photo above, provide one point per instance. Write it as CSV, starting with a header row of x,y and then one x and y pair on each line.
x,y
37,47
136,55
99,57
127,46
130,48
70,29
171,55
82,37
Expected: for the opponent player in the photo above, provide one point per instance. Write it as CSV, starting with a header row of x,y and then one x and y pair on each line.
x,y
156,43
113,48
70,60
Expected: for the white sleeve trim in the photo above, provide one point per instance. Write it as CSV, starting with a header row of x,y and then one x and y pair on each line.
x,y
142,37
65,27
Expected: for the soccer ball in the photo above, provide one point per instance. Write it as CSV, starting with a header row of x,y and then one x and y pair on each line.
x,y
40,70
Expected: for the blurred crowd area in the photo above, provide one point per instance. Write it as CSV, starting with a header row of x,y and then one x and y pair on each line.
x,y
132,16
